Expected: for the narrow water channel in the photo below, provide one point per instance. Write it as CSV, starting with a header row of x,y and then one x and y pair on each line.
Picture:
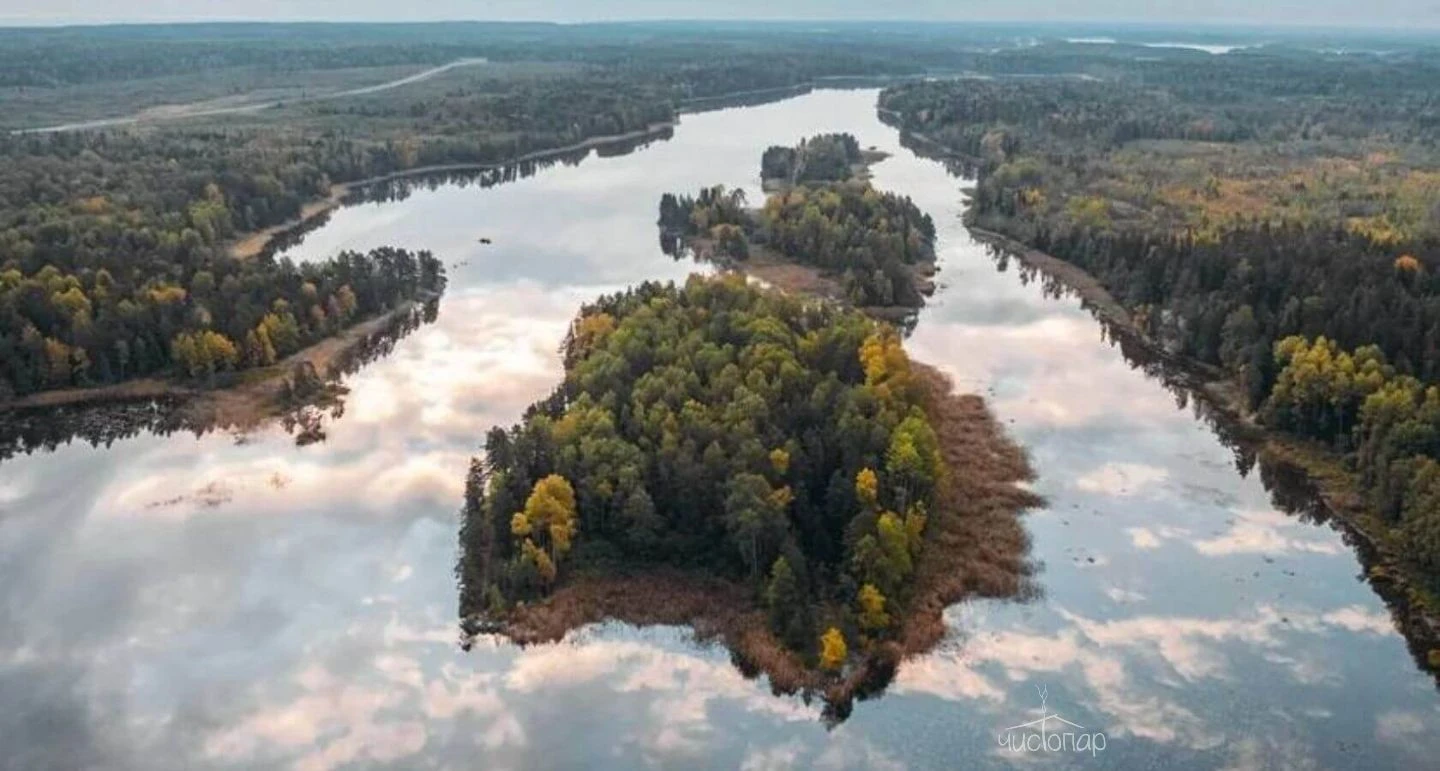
x,y
174,601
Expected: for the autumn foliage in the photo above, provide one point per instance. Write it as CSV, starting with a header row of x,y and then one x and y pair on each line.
x,y
833,650
869,240
778,442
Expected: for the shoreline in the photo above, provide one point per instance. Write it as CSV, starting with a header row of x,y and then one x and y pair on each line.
x,y
255,243
1335,487
245,402
257,397
252,244
141,389
773,269
797,278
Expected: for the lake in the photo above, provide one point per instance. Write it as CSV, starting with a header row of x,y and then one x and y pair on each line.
x,y
174,601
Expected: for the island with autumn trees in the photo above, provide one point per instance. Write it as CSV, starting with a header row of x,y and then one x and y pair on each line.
x,y
824,230
771,469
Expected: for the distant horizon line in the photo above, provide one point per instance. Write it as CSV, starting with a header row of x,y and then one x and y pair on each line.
x,y
1208,26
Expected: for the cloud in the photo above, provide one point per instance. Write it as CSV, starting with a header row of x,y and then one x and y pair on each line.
x,y
452,695
1251,753
1023,356
1124,596
1398,726
1354,618
949,677
1153,537
681,689
777,758
1121,479
243,485
336,720
1142,538
1124,664
1265,532
846,750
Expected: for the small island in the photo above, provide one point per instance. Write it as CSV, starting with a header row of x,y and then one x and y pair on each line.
x,y
770,469
821,158
824,230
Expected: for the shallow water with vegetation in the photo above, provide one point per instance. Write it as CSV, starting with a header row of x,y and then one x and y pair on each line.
x,y
174,600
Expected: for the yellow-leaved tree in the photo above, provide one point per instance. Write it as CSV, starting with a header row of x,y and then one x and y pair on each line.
x,y
590,331
550,509
873,617
887,368
550,517
833,651
867,488
780,461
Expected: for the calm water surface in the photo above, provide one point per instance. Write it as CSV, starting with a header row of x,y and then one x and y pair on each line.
x,y
174,602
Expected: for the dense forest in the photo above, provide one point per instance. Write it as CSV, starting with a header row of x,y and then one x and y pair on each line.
x,y
874,241
153,208
748,56
114,244
777,441
1278,221
108,319
759,55
160,202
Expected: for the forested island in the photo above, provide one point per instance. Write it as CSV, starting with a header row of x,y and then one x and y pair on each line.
x,y
772,469
821,158
876,250
1269,218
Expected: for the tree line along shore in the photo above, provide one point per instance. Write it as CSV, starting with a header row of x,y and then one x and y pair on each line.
x,y
1288,244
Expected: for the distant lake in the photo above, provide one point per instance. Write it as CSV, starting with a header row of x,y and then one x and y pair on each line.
x,y
1210,48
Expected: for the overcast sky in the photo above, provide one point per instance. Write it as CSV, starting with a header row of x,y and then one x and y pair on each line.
x,y
1398,13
